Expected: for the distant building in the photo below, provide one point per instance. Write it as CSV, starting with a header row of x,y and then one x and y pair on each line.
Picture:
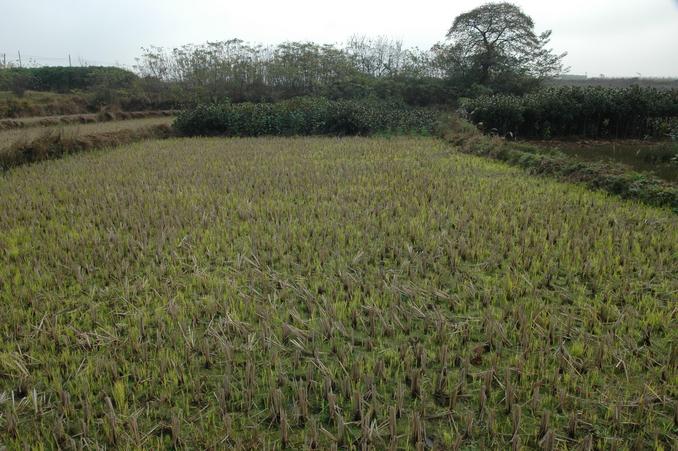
x,y
572,77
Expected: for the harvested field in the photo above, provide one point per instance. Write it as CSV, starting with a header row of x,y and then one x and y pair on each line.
x,y
322,292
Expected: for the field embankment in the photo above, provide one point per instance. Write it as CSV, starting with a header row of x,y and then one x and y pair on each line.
x,y
33,103
269,292
659,158
40,104
597,174
23,146
71,119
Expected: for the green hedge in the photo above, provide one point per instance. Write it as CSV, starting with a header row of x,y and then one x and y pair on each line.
x,y
305,116
64,79
592,112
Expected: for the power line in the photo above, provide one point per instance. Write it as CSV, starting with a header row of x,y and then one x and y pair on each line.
x,y
55,60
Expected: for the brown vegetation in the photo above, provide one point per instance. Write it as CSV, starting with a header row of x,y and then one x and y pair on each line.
x,y
103,116
32,104
53,145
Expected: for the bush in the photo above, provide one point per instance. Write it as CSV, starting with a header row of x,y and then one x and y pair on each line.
x,y
592,112
65,79
305,116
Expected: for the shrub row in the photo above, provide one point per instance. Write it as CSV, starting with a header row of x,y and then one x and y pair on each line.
x,y
593,112
609,177
63,79
305,116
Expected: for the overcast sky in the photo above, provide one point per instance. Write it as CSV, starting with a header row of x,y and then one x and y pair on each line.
x,y
612,37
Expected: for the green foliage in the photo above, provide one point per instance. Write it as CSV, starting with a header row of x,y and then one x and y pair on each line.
x,y
305,116
243,72
355,293
593,112
497,44
65,79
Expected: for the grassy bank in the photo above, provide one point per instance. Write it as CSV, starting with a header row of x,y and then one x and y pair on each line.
x,y
23,146
103,116
660,158
80,102
613,178
34,103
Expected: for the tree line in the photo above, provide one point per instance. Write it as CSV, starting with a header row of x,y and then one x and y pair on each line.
x,y
491,49
240,71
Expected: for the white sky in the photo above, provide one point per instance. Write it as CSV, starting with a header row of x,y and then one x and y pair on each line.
x,y
612,37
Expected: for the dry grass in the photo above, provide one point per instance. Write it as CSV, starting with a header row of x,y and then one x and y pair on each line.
x,y
74,119
9,138
35,103
330,293
23,146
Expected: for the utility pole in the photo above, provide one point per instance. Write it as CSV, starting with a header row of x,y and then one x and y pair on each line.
x,y
69,60
4,60
19,52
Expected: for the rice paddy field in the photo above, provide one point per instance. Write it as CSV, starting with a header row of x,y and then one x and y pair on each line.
x,y
12,137
355,293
